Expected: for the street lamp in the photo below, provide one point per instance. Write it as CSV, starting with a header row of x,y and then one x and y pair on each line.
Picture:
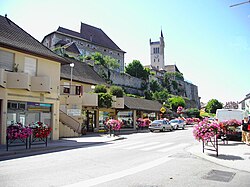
x,y
71,72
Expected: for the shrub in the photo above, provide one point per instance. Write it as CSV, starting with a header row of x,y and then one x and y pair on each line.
x,y
105,100
100,88
116,91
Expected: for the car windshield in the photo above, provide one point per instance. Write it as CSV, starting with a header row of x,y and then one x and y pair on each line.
x,y
174,121
157,121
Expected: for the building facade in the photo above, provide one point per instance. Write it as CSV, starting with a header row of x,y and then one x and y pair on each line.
x,y
29,80
84,43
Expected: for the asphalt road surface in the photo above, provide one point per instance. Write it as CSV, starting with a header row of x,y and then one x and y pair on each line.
x,y
156,159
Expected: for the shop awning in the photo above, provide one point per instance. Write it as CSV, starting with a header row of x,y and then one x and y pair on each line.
x,y
142,104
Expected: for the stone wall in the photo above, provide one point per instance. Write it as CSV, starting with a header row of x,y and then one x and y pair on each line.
x,y
129,83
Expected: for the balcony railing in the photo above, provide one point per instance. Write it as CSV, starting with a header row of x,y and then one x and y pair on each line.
x,y
90,99
18,80
41,84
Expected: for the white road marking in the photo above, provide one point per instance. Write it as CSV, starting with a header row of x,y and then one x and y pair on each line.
x,y
125,144
156,147
120,174
173,147
142,145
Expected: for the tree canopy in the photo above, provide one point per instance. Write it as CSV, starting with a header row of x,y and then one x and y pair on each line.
x,y
136,69
175,102
213,105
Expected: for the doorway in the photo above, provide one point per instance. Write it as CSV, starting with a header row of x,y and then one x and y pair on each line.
x,y
91,120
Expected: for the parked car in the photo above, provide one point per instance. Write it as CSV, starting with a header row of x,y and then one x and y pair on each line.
x,y
177,123
161,125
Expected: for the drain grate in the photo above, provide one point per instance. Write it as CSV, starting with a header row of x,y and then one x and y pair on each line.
x,y
217,175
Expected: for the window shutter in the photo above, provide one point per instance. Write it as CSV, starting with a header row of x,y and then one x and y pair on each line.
x,y
30,66
6,60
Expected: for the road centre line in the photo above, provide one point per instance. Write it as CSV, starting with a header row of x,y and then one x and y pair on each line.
x,y
120,174
156,146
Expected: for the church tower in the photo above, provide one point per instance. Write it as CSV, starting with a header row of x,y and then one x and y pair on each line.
x,y
157,53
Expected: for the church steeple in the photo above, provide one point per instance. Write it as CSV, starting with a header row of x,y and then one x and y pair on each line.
x,y
161,33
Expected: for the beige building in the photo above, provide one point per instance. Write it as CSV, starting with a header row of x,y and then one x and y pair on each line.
x,y
29,80
78,102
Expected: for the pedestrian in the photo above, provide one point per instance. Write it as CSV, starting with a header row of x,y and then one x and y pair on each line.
x,y
245,131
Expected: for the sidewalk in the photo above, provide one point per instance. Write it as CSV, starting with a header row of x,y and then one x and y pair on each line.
x,y
93,139
234,155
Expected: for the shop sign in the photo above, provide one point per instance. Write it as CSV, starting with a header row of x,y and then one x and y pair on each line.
x,y
74,112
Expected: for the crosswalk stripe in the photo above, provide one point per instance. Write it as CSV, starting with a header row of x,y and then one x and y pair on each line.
x,y
142,145
173,147
155,147
125,144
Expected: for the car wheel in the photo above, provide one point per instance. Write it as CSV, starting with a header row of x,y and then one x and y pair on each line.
x,y
183,127
177,127
171,128
163,129
151,130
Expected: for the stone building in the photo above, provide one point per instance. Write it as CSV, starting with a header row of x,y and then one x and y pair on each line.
x,y
157,66
79,44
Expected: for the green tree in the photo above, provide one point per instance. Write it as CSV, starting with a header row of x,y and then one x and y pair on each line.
x,y
193,112
175,102
148,94
111,63
154,86
213,105
161,96
105,100
136,69
98,58
116,91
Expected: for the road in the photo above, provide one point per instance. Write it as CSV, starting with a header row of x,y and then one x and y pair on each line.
x,y
156,159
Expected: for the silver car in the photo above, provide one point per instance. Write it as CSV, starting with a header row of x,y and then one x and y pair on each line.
x,y
161,125
177,123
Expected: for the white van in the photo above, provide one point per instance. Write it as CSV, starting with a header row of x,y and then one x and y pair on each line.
x,y
228,114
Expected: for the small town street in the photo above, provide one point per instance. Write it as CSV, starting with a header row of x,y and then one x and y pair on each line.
x,y
139,160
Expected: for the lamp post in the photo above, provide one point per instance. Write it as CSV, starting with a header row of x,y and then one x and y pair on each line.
x,y
71,73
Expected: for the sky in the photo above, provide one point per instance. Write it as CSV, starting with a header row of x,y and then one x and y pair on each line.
x,y
207,40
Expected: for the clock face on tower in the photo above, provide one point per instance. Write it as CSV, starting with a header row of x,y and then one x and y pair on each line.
x,y
156,56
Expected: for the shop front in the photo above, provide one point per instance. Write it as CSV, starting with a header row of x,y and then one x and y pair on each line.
x,y
28,113
138,108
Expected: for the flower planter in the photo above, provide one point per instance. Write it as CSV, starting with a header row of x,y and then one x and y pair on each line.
x,y
40,133
17,135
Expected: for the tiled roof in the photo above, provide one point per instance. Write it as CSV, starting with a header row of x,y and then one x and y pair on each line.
x,y
91,34
61,42
73,48
15,38
82,72
142,104
69,32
